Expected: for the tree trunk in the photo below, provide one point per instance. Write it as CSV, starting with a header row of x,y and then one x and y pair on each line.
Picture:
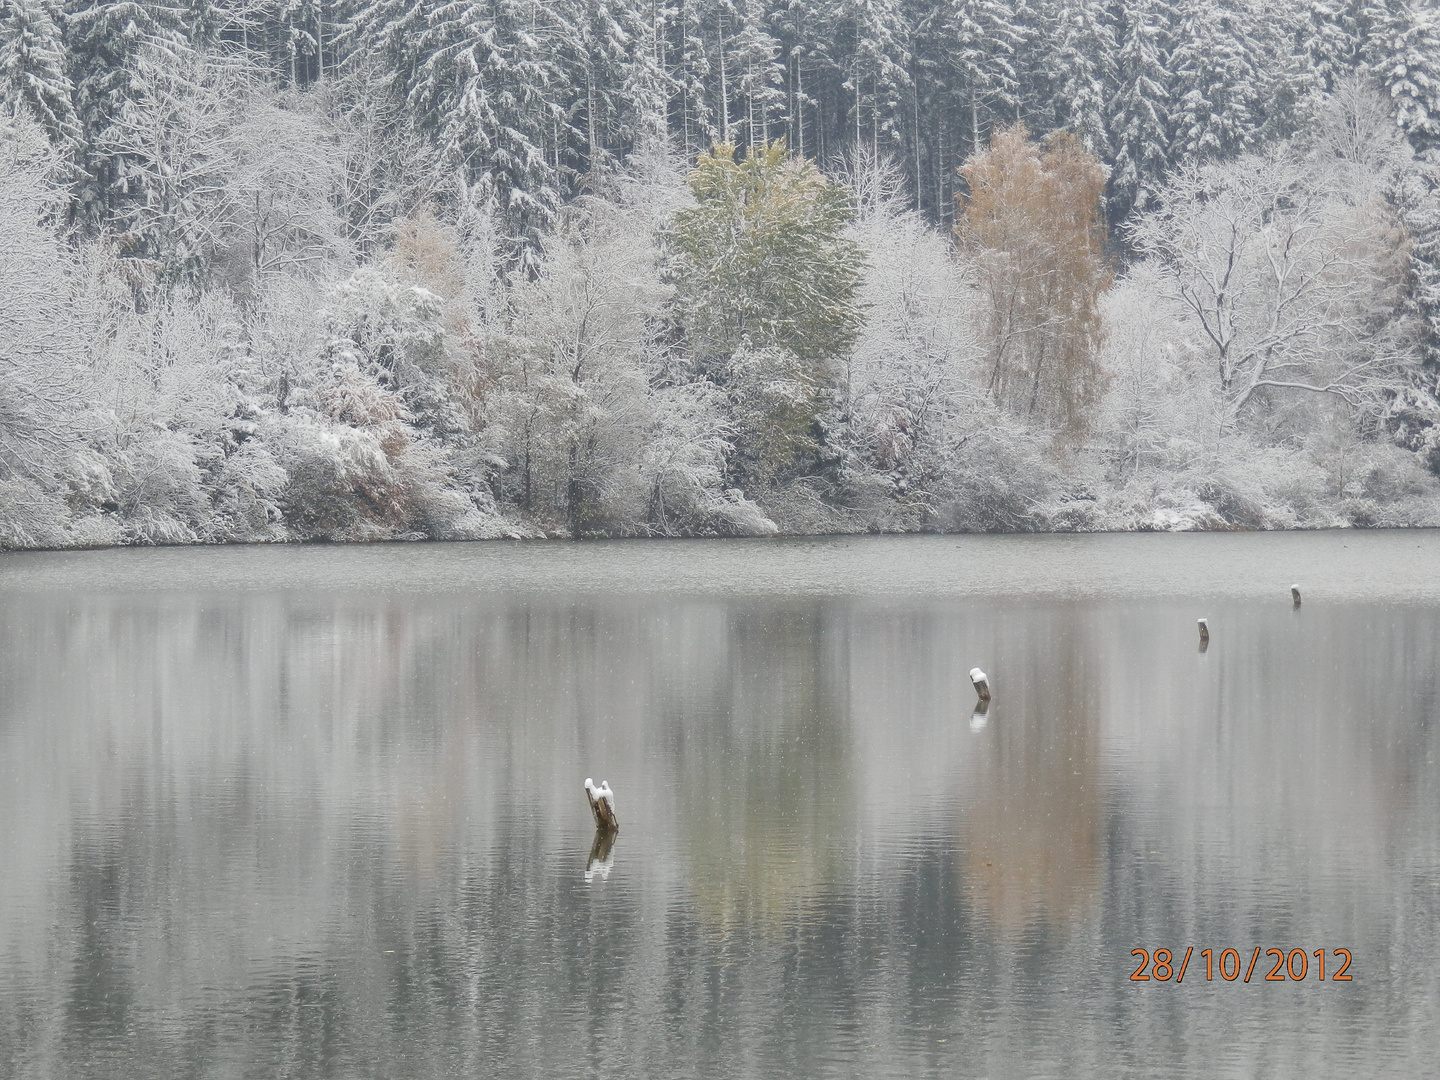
x,y
724,90
572,493
800,104
590,119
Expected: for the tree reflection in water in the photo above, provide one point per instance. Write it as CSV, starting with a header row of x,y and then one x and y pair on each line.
x,y
326,834
1031,819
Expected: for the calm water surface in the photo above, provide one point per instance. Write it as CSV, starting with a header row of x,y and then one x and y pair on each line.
x,y
318,812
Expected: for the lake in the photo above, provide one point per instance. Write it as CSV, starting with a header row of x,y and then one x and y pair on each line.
x,y
318,812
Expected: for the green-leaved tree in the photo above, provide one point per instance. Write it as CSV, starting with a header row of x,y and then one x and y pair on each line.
x,y
765,282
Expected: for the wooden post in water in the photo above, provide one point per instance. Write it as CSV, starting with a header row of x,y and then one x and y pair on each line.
x,y
981,684
1295,594
602,805
1204,634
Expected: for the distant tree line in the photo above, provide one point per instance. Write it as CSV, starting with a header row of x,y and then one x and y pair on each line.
x,y
439,269
529,98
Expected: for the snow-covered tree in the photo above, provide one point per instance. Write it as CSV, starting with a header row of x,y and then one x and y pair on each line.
x,y
388,167
41,392
598,429
484,81
1394,43
286,186
122,55
610,58
32,69
1295,278
1406,63
1140,117
877,70
170,146
687,67
983,40
1082,73
1415,413
1215,112
754,59
762,257
911,396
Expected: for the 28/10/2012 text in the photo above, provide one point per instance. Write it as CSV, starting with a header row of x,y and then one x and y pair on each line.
x,y
1292,966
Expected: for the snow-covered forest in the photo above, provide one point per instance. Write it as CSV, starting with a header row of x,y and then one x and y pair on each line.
x,y
290,270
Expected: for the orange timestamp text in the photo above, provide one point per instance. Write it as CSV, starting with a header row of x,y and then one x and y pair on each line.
x,y
1291,966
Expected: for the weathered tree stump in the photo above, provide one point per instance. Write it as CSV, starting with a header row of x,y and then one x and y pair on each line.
x,y
981,684
602,805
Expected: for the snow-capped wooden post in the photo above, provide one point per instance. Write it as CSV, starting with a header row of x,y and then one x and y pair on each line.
x,y
602,805
981,684
1204,634
1295,594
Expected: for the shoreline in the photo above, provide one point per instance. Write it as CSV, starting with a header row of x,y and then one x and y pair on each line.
x,y
1384,565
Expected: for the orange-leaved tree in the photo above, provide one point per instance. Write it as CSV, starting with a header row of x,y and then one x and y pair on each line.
x,y
1031,222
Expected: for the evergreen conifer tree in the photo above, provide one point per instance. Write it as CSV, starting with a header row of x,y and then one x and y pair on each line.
x,y
687,72
299,24
754,57
32,69
121,54
1332,40
984,47
1083,72
616,78
878,75
1215,82
1405,60
486,82
1140,120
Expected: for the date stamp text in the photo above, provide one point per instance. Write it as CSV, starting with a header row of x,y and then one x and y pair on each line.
x,y
1293,965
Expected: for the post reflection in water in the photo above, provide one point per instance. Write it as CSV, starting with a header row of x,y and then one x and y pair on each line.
x,y
601,849
344,835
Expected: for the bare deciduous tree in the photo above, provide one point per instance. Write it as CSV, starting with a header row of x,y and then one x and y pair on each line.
x,y
1294,275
